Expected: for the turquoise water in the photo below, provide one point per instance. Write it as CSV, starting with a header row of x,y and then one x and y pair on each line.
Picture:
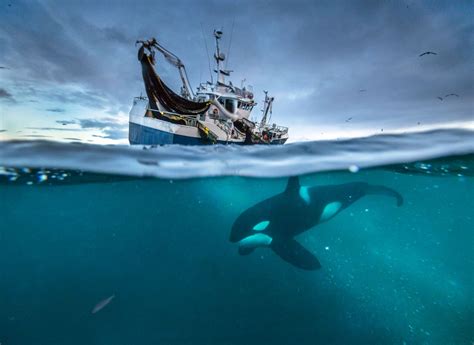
x,y
389,275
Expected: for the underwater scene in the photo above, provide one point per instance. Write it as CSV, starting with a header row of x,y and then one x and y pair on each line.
x,y
275,253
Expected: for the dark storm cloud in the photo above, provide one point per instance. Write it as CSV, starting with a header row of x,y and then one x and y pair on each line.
x,y
4,94
314,56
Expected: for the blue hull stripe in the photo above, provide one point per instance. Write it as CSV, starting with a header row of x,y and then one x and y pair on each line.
x,y
142,135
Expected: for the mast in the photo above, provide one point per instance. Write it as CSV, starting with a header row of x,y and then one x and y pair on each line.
x,y
267,107
220,57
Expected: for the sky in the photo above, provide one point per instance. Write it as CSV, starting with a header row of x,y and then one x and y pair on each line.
x,y
69,71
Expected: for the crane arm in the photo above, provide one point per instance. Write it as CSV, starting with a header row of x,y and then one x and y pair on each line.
x,y
175,61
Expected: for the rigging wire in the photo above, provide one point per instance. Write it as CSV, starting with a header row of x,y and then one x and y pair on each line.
x,y
207,52
230,43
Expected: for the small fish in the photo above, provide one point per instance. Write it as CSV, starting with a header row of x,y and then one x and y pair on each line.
x,y
102,304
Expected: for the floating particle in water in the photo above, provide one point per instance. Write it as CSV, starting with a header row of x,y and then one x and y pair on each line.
x,y
366,210
41,176
326,248
353,168
29,183
102,304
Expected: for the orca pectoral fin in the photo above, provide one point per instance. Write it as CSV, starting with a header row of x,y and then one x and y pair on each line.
x,y
294,253
245,251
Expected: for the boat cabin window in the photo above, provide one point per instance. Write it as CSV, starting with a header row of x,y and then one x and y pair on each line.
x,y
244,106
230,105
203,98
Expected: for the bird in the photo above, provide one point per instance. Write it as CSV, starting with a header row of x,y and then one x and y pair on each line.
x,y
451,94
362,90
350,118
428,53
440,98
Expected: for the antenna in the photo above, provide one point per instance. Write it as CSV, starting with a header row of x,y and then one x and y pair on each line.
x,y
207,52
230,42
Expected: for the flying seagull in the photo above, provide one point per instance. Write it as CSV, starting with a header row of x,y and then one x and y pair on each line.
x,y
440,98
428,53
451,94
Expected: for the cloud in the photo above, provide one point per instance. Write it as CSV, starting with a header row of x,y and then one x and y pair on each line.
x,y
3,130
66,122
313,56
36,136
54,129
4,94
99,123
109,127
112,128
114,134
56,110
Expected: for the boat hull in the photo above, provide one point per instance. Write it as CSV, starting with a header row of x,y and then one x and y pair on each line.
x,y
145,130
143,135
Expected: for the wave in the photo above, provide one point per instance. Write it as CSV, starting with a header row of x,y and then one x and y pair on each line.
x,y
175,161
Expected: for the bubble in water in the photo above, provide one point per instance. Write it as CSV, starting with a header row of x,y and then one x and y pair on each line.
x,y
353,168
41,176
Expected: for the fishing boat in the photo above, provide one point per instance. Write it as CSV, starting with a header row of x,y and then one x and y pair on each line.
x,y
218,113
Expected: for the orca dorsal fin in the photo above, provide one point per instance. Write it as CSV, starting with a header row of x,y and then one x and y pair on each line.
x,y
293,185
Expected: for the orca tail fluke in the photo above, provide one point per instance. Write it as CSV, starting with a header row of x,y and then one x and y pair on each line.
x,y
294,253
382,190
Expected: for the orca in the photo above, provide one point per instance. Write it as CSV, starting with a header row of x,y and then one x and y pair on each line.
x,y
274,222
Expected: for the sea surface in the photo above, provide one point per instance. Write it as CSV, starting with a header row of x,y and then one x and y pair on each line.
x,y
130,245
